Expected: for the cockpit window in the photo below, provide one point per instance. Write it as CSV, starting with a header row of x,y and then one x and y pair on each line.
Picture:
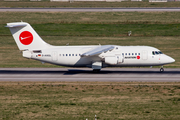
x,y
156,52
153,52
160,52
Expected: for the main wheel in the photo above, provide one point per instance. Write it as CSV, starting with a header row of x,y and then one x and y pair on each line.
x,y
96,70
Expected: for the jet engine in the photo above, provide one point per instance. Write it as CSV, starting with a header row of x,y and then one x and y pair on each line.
x,y
111,60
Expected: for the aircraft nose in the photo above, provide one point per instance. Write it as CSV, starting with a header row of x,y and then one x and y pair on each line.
x,y
167,59
170,59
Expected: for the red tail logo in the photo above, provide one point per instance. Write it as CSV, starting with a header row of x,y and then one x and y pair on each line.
x,y
26,38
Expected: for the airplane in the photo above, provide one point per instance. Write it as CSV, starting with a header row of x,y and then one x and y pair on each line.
x,y
92,56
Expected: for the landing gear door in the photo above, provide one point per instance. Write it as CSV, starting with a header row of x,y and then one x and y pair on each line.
x,y
54,56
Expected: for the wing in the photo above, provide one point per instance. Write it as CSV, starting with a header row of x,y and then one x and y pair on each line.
x,y
98,50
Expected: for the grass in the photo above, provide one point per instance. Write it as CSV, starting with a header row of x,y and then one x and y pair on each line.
x,y
46,3
74,100
92,17
108,30
160,29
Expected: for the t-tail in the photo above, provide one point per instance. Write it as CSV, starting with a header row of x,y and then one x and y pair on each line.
x,y
26,37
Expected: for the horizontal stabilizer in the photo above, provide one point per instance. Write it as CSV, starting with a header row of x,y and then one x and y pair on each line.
x,y
18,24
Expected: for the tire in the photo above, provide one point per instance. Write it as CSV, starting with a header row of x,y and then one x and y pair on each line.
x,y
162,70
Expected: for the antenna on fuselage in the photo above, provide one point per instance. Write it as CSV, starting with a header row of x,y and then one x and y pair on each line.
x,y
67,44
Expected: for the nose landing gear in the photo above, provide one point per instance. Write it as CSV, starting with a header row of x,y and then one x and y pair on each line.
x,y
161,69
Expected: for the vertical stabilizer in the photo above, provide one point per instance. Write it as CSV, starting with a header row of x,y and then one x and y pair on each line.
x,y
26,37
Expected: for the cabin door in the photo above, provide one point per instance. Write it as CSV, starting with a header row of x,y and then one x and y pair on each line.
x,y
144,55
54,56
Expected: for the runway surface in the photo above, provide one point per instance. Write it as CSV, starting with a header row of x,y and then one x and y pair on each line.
x,y
89,9
85,74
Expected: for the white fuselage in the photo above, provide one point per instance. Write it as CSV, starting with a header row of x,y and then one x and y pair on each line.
x,y
119,56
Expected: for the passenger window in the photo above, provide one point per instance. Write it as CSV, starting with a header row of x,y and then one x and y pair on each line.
x,y
138,53
126,53
129,53
132,53
72,54
122,53
135,53
69,54
66,54
76,54
59,54
63,54
79,54
116,48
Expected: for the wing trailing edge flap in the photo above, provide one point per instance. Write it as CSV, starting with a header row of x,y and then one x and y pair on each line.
x,y
98,50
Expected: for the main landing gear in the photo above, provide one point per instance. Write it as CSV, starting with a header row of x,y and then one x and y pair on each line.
x,y
96,70
161,69
96,66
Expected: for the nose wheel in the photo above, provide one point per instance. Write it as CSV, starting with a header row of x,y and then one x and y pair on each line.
x,y
162,69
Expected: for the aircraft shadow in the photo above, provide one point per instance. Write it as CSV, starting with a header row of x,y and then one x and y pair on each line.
x,y
118,72
31,72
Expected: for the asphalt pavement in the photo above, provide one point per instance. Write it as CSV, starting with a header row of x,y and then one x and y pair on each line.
x,y
86,74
